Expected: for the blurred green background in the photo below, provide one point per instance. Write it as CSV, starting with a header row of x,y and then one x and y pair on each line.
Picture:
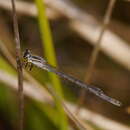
x,y
64,48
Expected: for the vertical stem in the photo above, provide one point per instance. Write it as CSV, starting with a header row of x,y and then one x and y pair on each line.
x,y
19,67
96,50
49,50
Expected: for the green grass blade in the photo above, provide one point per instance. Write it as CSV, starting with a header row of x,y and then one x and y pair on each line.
x,y
51,58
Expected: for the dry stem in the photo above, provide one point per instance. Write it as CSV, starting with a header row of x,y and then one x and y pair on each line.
x,y
19,67
96,50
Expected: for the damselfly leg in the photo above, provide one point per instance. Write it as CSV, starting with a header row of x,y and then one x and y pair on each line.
x,y
31,66
28,65
25,64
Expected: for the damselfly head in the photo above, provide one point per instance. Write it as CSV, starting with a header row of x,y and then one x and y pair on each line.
x,y
26,54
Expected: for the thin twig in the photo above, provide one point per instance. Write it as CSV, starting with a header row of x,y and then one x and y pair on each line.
x,y
81,125
19,67
96,50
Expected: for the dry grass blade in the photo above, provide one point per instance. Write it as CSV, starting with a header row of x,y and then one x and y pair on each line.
x,y
81,125
88,29
39,95
96,50
19,68
27,8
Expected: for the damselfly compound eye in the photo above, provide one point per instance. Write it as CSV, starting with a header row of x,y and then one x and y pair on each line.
x,y
26,54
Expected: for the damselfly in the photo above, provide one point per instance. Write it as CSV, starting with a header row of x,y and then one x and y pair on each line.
x,y
42,63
